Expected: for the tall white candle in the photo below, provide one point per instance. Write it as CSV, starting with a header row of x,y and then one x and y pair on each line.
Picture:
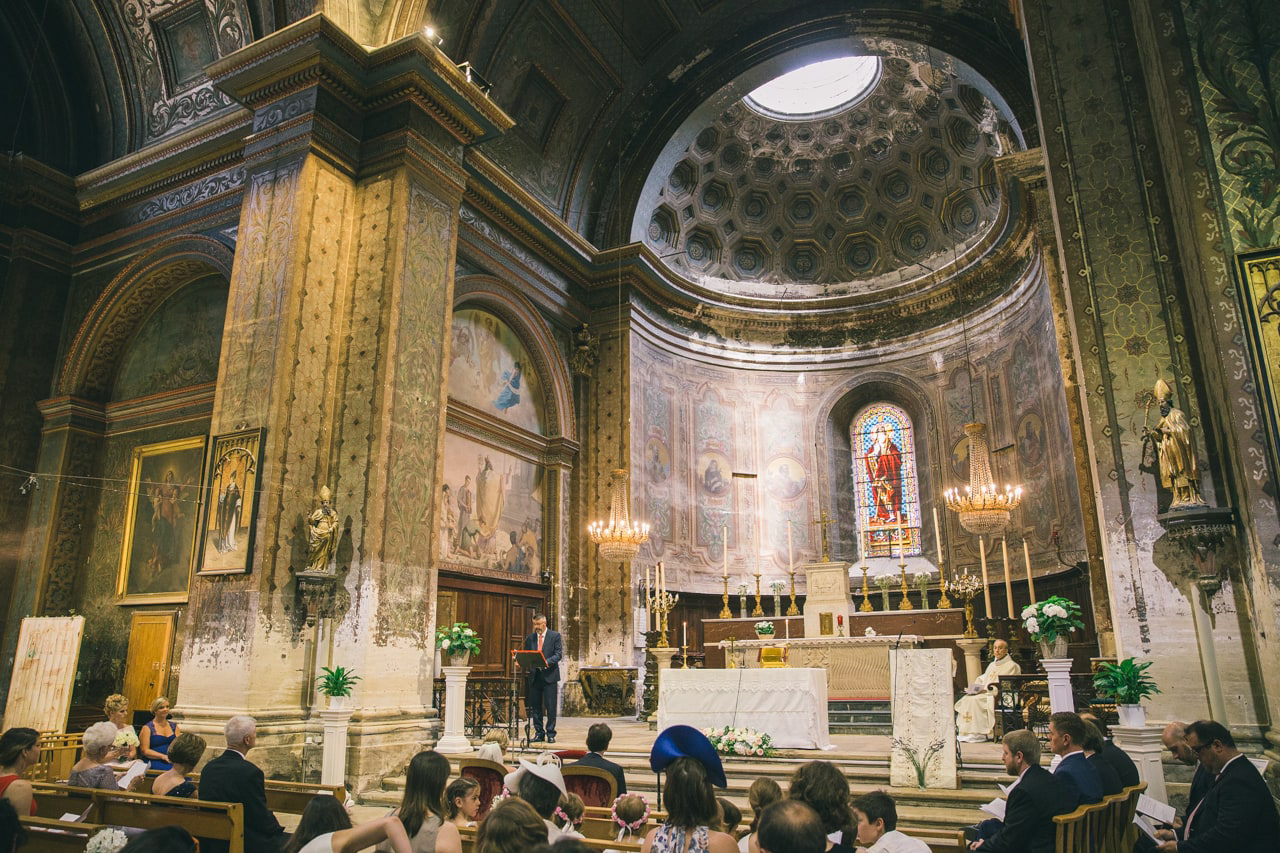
x,y
684,628
1031,584
986,583
725,550
791,563
902,547
648,589
1008,578
937,535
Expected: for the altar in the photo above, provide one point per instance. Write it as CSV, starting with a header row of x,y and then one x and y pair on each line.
x,y
856,667
789,704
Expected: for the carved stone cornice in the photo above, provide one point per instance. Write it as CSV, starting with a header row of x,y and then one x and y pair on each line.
x,y
73,413
38,200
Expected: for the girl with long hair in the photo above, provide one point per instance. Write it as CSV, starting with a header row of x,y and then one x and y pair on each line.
x,y
19,749
326,828
512,826
692,811
422,810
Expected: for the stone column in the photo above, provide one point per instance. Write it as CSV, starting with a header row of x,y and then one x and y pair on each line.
x,y
454,740
335,342
1059,670
1144,747
972,658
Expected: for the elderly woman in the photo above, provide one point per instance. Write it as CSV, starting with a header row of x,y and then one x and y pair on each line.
x,y
155,737
184,755
116,707
91,771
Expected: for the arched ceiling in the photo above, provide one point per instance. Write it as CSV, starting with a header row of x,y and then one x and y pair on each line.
x,y
886,190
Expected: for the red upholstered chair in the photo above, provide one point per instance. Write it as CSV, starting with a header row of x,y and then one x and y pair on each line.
x,y
489,774
596,786
566,755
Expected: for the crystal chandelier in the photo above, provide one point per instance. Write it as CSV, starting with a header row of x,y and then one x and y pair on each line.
x,y
619,538
982,509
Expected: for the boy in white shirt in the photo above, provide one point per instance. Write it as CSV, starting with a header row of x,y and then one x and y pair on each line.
x,y
876,820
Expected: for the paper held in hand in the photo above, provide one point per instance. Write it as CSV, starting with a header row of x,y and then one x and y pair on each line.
x,y
135,770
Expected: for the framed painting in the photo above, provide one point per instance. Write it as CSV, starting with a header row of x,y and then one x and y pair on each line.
x,y
232,487
162,516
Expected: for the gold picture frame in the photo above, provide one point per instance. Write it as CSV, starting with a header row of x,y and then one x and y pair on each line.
x,y
232,486
162,518
1259,294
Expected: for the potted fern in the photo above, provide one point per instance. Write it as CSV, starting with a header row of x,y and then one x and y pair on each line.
x,y
1127,683
336,683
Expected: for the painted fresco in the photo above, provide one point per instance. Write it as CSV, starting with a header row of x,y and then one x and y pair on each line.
x,y
492,509
178,346
490,370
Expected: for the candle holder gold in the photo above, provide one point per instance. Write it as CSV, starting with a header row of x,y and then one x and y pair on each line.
x,y
943,601
758,610
905,603
663,603
967,586
731,661
865,607
792,610
725,612
684,657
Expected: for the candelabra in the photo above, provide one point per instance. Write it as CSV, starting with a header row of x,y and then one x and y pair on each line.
x,y
663,603
793,610
758,611
943,601
865,607
967,586
905,603
725,612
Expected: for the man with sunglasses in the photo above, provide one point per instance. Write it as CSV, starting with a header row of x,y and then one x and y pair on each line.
x,y
1237,812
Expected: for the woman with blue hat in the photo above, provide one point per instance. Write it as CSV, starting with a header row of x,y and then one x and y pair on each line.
x,y
692,767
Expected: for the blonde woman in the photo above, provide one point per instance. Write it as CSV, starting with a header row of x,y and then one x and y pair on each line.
x,y
116,707
156,736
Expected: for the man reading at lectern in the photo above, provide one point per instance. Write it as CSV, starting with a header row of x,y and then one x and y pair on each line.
x,y
540,684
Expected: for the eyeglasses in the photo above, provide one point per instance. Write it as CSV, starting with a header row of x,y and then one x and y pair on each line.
x,y
1199,747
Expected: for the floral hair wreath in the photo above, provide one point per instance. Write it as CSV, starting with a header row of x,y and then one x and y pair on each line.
x,y
568,821
635,824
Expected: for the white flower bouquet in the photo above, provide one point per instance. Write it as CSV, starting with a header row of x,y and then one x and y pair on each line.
x,y
126,737
739,741
457,638
108,840
1054,617
765,627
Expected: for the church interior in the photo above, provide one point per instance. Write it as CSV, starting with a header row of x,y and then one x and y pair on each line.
x,y
327,324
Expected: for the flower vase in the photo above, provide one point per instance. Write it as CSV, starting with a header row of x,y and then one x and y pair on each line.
x,y
764,635
459,658
337,703
1132,715
742,605
1054,649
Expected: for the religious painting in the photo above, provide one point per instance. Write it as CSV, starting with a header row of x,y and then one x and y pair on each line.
x,y
184,42
233,487
1030,440
657,461
886,487
161,520
960,459
714,473
491,510
785,478
1259,274
491,371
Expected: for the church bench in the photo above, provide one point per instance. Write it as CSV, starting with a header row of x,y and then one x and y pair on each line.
x,y
283,796
58,836
1082,830
59,752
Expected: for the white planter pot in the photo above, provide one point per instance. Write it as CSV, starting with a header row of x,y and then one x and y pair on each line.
x,y
1134,716
337,703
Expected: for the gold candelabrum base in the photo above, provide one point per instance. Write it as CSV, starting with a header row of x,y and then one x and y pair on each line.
x,y
943,601
969,631
792,610
758,611
684,657
905,603
663,603
730,660
725,612
865,607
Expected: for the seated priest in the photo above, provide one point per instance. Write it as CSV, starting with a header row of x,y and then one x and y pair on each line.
x,y
976,709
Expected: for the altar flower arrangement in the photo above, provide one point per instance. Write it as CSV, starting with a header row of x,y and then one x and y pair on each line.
x,y
108,840
126,737
883,582
765,627
739,741
457,639
1052,618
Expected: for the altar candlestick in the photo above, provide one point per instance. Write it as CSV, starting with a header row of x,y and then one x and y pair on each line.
x,y
1031,584
662,578
1008,578
725,550
791,563
902,548
937,534
684,633
986,583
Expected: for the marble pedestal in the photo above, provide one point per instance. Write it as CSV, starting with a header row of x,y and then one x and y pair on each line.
x,y
1143,745
333,760
453,741
1059,671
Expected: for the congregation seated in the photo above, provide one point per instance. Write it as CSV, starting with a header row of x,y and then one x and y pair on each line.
x,y
462,801
184,754
12,833
162,839
1031,804
975,710
494,747
19,749
825,789
157,735
630,814
232,778
569,813
1093,751
326,828
791,826
730,816
1174,739
91,771
1079,777
692,767
541,786
875,816
1126,769
763,793
512,826
422,809
599,736
116,707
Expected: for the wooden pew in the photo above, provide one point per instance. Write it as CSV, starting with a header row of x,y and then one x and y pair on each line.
x,y
1082,830
57,836
283,796
222,821
53,800
58,754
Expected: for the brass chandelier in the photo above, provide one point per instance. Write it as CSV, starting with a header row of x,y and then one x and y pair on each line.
x,y
983,509
620,537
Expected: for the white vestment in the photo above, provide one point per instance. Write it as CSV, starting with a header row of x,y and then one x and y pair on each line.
x,y
976,713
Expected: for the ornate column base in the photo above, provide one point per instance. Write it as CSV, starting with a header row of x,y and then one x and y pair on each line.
x,y
1059,670
1144,747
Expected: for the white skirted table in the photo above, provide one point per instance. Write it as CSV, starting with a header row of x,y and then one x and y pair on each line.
x,y
790,704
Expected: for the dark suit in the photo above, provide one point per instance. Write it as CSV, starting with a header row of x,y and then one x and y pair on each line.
x,y
231,778
595,759
540,686
1106,775
1121,763
1080,779
1237,814
1028,815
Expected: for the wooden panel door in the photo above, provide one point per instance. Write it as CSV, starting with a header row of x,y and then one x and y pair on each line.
x,y
146,673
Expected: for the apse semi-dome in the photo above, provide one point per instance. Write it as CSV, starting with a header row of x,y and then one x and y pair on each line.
x,y
885,181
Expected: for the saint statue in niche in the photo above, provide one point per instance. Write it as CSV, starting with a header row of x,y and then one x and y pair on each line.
x,y
1175,451
884,471
322,533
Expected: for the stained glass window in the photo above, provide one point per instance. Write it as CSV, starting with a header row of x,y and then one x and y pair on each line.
x,y
885,481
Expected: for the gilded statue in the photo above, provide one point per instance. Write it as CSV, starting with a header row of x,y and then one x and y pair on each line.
x,y
322,533
586,351
1175,451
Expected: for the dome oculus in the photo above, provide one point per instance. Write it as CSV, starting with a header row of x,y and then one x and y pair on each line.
x,y
819,89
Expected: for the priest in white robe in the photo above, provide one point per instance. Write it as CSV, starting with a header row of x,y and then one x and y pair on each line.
x,y
976,709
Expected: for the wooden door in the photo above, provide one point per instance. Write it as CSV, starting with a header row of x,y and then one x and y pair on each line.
x,y
146,673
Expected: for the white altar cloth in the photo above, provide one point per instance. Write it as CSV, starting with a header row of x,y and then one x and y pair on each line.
x,y
788,703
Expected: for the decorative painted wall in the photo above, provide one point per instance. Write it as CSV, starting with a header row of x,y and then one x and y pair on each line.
x,y
178,346
490,371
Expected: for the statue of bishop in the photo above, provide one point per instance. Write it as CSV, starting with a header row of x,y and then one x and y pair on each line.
x,y
1175,451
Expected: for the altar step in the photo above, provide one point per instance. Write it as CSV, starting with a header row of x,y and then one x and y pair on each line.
x,y
859,716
